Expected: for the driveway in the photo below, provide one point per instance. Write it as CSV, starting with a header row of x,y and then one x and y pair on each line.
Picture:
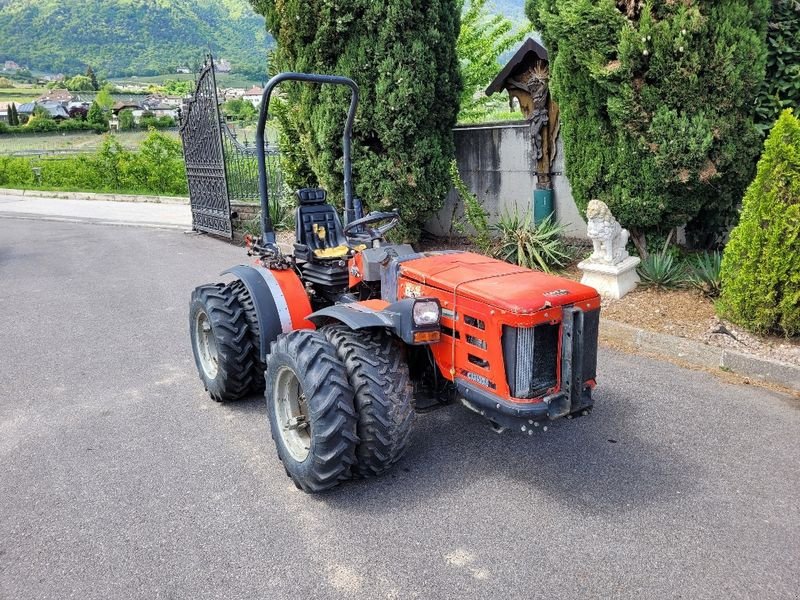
x,y
120,478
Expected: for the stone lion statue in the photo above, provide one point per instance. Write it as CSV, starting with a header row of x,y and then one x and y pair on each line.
x,y
607,235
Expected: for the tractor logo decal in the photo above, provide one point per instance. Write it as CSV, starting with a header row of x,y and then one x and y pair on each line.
x,y
413,290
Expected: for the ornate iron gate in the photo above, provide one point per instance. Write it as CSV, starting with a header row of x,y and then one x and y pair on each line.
x,y
201,133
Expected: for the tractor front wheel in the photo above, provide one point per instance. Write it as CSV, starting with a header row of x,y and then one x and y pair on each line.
x,y
311,412
220,342
378,372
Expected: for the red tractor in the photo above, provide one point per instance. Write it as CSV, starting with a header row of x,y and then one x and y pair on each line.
x,y
350,336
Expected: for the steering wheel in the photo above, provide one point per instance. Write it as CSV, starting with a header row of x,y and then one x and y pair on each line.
x,y
372,233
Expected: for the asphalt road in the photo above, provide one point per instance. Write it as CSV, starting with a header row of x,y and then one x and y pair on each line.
x,y
119,478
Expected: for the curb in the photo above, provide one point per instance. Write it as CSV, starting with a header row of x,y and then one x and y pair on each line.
x,y
702,355
88,221
93,196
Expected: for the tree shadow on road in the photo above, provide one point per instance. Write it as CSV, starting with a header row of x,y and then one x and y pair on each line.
x,y
608,462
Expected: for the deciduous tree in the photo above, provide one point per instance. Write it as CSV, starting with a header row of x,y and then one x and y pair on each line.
x,y
483,38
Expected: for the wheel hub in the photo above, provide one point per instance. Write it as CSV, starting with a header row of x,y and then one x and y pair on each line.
x,y
206,345
291,411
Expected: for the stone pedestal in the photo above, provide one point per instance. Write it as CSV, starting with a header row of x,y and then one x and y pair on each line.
x,y
612,281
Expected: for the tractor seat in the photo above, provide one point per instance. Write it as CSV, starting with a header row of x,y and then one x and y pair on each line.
x,y
318,230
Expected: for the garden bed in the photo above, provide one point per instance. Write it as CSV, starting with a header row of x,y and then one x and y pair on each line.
x,y
689,314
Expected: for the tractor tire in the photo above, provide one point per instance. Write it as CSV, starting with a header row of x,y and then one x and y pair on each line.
x,y
379,375
220,342
253,331
311,412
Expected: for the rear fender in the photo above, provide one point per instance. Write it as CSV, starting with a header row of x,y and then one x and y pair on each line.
x,y
280,301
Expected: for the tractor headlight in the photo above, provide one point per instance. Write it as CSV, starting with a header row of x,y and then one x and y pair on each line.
x,y
426,312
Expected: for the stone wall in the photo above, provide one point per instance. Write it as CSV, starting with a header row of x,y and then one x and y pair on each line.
x,y
495,162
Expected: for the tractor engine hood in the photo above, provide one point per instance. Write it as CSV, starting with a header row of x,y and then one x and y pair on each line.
x,y
499,284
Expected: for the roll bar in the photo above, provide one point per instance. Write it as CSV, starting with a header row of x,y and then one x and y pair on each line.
x,y
268,231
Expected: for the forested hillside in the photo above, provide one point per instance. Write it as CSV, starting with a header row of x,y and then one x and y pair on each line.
x,y
130,37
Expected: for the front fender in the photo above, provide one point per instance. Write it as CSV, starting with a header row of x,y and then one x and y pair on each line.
x,y
397,317
355,316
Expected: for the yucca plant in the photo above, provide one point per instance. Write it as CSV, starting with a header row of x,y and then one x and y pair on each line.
x,y
662,269
533,246
704,273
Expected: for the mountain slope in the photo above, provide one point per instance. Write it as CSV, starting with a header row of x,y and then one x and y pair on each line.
x,y
130,37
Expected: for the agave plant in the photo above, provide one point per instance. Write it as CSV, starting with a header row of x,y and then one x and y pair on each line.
x,y
704,273
534,246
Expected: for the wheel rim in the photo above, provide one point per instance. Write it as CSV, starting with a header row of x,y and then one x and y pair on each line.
x,y
291,412
206,345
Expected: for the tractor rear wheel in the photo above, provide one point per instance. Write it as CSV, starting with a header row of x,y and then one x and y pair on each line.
x,y
241,292
378,372
220,342
311,412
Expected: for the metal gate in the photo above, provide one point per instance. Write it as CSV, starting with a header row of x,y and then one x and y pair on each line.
x,y
221,168
201,133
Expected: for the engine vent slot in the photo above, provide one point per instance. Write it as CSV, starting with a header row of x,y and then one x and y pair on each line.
x,y
476,360
531,359
477,342
473,322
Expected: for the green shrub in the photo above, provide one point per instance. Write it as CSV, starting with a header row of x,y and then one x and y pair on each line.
x,y
528,245
159,165
157,168
656,102
126,120
16,172
704,273
761,264
474,212
662,269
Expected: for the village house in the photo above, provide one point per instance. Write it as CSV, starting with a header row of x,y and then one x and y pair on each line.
x,y
57,96
158,106
10,65
223,66
57,111
4,108
253,95
233,93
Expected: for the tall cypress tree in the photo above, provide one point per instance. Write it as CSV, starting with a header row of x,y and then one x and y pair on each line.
x,y
656,102
13,115
402,54
93,78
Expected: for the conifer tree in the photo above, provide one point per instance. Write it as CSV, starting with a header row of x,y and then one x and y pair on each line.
x,y
402,54
761,265
656,102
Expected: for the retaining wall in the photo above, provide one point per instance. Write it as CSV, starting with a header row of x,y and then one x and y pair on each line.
x,y
495,161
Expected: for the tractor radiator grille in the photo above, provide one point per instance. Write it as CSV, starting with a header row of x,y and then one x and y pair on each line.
x,y
591,329
531,359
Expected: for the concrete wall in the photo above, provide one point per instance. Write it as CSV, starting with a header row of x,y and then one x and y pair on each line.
x,y
496,164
